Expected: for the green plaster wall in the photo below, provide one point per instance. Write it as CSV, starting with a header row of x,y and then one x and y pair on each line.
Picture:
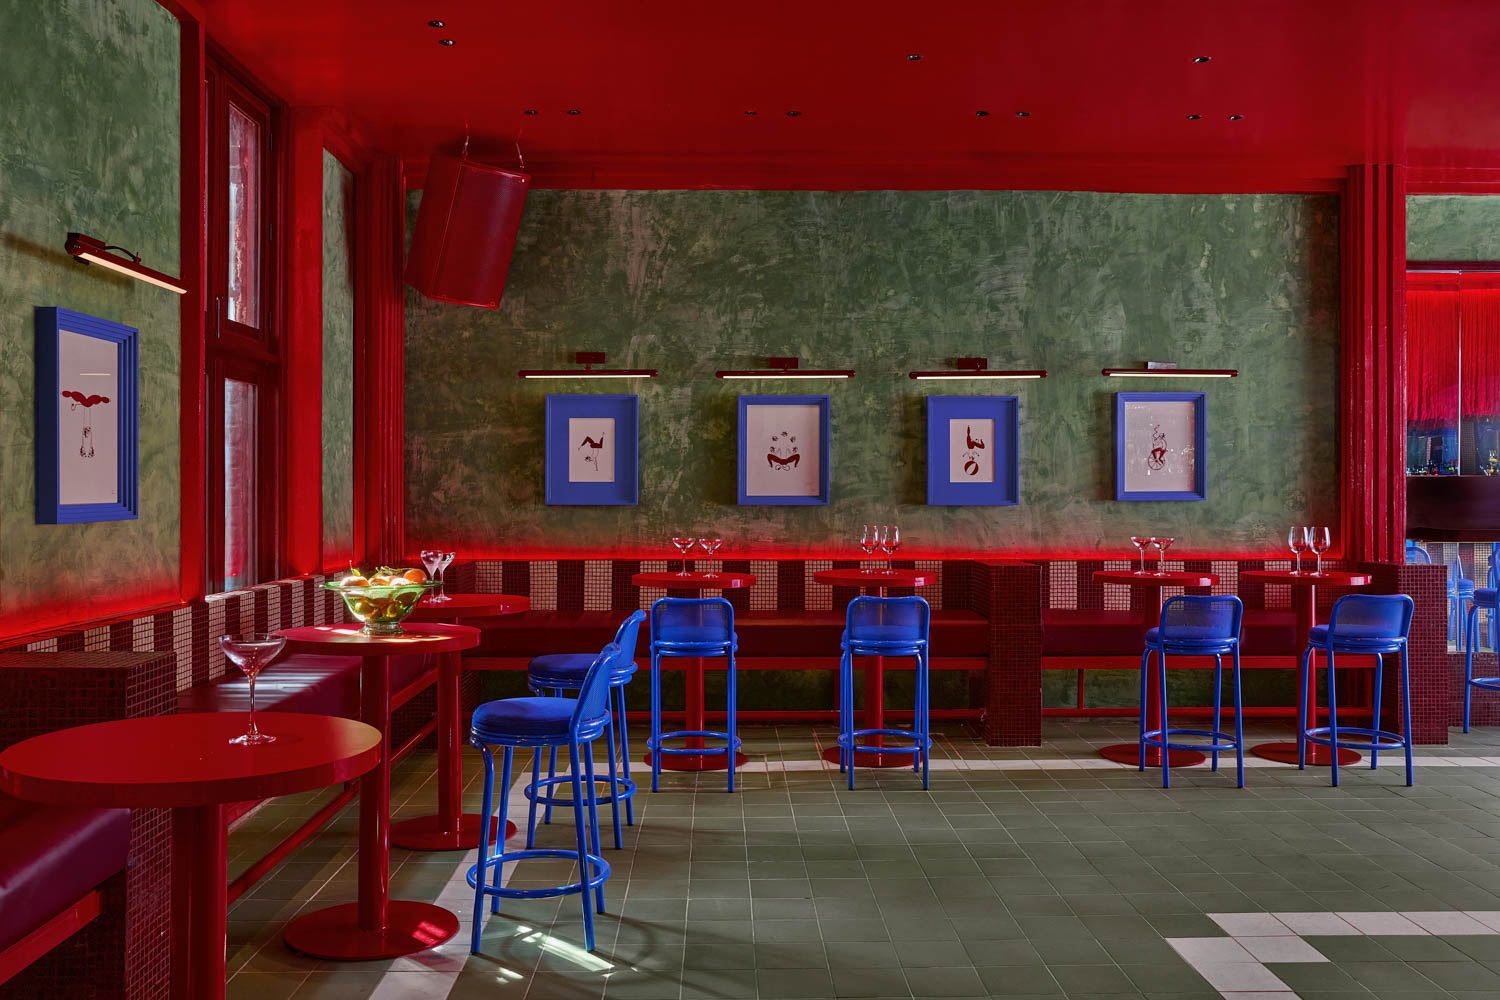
x,y
338,359
89,133
1453,227
884,282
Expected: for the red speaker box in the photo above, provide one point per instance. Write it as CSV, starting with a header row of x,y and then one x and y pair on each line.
x,y
466,229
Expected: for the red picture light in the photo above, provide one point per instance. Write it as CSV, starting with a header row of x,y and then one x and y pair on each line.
x,y
588,359
86,248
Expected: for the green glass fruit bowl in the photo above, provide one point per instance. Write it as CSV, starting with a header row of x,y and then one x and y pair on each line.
x,y
381,606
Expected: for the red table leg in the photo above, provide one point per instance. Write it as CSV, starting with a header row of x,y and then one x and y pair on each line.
x,y
200,901
375,927
451,829
1305,600
1130,753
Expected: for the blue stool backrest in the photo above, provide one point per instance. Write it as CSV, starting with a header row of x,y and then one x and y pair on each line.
x,y
1366,616
888,618
625,637
593,696
711,618
1201,618
1416,555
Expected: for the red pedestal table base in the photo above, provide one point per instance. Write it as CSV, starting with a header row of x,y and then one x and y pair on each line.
x,y
865,759
1130,753
684,762
335,932
1286,753
426,833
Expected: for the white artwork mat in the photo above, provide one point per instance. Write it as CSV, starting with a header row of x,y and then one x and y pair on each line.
x,y
88,419
782,454
971,450
591,449
1159,446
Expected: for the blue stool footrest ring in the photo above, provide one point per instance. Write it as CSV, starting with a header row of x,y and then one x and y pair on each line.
x,y
918,744
625,788
654,743
1223,742
1322,735
599,866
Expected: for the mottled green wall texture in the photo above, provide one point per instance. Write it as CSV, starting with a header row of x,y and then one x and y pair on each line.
x,y
1453,227
338,360
89,133
886,282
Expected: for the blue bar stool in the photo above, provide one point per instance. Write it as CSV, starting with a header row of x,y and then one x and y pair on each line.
x,y
537,723
884,626
559,672
1196,626
698,627
1368,625
1488,599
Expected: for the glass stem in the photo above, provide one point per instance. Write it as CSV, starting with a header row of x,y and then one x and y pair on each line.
x,y
1320,562
253,730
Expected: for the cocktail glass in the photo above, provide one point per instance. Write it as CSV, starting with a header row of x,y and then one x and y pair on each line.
x,y
251,652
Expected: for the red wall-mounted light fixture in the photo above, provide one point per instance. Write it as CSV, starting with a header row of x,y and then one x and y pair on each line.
x,y
785,368
1149,372
980,368
588,359
86,248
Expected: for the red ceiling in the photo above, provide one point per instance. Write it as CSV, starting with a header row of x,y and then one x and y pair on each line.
x,y
662,87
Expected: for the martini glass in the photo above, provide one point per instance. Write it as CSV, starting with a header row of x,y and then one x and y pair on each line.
x,y
444,558
710,545
1141,543
250,652
1162,544
683,544
432,561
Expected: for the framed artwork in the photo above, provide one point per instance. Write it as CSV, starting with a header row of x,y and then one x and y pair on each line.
x,y
1161,448
783,454
87,416
592,450
973,451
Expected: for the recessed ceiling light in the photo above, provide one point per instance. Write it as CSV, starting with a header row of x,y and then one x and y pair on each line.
x,y
1193,118
914,56
445,41
1202,59
793,114
574,111
531,111
1235,118
752,112
981,114
434,24
1023,114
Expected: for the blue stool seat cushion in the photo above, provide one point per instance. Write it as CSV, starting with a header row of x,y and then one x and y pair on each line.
x,y
573,666
1487,597
525,717
1318,635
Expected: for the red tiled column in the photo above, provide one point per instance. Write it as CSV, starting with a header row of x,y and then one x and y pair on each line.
x,y
1009,594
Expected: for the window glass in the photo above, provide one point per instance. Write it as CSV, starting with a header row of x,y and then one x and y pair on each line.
x,y
240,493
243,300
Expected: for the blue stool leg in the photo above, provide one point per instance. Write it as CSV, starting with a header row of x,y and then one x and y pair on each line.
x,y
1218,698
1145,666
504,812
916,715
625,755
486,804
654,743
843,710
536,789
593,804
551,773
1239,722
1333,717
614,784
1161,672
1302,709
1469,666
926,718
733,727
1406,710
1375,708
580,817
849,700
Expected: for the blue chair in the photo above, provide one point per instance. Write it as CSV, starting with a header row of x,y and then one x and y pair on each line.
x,y
1365,625
536,723
1487,599
559,672
884,626
696,627
1196,626
1460,591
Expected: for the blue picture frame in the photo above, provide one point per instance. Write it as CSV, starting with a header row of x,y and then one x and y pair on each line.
x,y
766,454
569,479
64,395
1138,443
949,464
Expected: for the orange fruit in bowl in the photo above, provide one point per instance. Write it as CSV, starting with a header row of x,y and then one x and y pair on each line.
x,y
354,581
380,581
415,576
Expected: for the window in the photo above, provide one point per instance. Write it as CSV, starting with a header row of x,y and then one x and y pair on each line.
x,y
243,352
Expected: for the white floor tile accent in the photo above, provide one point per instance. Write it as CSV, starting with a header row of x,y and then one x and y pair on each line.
x,y
1282,949
1250,924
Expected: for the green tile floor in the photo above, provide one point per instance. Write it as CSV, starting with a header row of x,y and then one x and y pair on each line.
x,y
1063,880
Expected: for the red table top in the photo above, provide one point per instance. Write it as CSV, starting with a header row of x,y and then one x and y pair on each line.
x,y
1327,578
694,581
187,760
875,578
468,606
1171,578
348,640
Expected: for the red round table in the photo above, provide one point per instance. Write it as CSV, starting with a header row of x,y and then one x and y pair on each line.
x,y
376,926
1304,600
697,583
451,829
187,763
1151,584
874,715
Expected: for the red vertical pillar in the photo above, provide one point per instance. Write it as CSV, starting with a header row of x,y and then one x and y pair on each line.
x,y
192,577
1372,383
302,372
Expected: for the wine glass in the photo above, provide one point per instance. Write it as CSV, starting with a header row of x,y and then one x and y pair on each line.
x,y
1319,539
1162,544
683,544
1296,540
710,545
869,540
890,541
444,558
1141,542
250,652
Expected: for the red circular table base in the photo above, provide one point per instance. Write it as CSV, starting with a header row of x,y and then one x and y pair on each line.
x,y
1286,753
1130,753
864,759
425,834
683,762
335,932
